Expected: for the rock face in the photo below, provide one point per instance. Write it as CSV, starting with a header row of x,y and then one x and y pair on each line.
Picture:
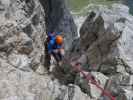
x,y
22,36
17,84
22,51
107,39
59,19
21,85
22,33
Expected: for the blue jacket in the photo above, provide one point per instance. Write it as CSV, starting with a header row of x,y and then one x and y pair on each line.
x,y
52,45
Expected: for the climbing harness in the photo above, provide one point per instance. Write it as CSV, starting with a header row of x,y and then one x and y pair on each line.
x,y
91,79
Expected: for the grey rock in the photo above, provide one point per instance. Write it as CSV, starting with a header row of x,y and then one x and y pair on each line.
x,y
20,50
91,89
108,69
23,75
120,86
106,35
59,19
78,95
101,81
127,95
20,61
17,84
19,34
73,92
106,38
83,84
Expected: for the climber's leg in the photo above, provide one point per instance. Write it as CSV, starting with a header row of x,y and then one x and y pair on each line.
x,y
56,56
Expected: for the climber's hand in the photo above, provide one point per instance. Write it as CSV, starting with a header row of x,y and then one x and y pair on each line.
x,y
62,51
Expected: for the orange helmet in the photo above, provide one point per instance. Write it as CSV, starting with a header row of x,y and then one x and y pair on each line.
x,y
59,39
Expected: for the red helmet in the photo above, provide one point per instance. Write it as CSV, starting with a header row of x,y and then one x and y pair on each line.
x,y
59,39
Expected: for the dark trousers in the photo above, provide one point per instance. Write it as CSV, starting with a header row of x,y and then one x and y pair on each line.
x,y
57,56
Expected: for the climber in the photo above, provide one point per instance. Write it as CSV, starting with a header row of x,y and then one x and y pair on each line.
x,y
55,47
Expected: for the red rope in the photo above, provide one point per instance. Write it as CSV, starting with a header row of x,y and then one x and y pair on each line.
x,y
88,77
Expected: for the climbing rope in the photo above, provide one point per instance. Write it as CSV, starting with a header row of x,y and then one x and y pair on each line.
x,y
91,78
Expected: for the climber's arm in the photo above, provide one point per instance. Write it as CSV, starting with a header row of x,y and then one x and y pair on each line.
x,y
50,46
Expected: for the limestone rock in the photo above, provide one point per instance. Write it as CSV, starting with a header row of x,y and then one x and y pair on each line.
x,y
59,19
23,28
16,84
91,89
101,80
107,36
74,93
78,95
20,61
18,32
128,95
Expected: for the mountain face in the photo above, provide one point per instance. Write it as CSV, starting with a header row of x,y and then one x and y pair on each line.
x,y
106,38
23,33
104,50
23,76
59,19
